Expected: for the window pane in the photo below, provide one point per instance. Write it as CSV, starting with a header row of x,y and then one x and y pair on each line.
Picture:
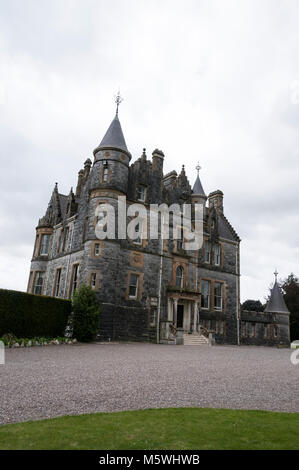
x,y
205,294
57,284
45,245
179,277
217,255
207,252
38,284
218,295
133,285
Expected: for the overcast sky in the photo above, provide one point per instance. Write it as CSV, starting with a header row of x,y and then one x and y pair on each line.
x,y
213,81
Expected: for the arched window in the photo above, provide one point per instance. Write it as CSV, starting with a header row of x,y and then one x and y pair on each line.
x,y
179,276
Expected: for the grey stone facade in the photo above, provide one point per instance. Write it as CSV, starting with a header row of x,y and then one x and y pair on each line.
x,y
173,290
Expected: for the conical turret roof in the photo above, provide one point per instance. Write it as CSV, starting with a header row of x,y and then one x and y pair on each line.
x,y
197,188
276,303
114,137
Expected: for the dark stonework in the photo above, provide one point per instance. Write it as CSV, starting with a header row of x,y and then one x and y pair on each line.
x,y
70,222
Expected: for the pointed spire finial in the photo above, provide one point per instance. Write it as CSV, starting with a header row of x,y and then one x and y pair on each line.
x,y
276,274
118,100
198,167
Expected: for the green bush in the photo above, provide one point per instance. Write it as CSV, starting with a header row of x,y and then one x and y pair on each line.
x,y
86,311
27,315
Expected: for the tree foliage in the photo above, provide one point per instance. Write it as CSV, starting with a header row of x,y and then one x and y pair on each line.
x,y
252,305
290,287
86,314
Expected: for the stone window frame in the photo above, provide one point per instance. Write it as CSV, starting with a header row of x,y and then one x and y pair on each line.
x,y
184,264
266,331
145,188
96,218
212,302
219,254
182,277
97,274
104,168
92,249
219,309
54,290
205,243
144,241
208,308
275,327
139,285
71,291
36,273
44,246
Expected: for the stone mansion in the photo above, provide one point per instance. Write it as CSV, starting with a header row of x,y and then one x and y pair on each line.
x,y
149,290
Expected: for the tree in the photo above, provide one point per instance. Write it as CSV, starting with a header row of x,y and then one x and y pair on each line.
x,y
252,305
86,314
290,287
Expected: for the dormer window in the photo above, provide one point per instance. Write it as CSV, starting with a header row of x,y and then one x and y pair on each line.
x,y
141,193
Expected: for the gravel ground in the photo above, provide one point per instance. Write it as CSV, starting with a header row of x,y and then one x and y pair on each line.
x,y
49,381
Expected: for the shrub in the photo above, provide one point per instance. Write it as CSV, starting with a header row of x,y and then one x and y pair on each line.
x,y
27,315
86,312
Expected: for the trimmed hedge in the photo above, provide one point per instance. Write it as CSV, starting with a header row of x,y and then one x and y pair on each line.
x,y
28,315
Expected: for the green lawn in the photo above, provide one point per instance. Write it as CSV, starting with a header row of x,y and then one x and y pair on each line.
x,y
174,428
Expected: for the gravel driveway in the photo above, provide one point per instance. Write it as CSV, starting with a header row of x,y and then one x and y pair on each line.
x,y
43,382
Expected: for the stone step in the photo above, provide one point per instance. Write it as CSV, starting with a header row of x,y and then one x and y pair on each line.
x,y
194,340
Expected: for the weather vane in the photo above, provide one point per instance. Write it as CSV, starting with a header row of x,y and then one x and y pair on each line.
x,y
118,100
276,274
198,167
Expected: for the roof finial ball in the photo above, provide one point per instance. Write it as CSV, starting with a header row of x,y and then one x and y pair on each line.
x,y
198,168
118,100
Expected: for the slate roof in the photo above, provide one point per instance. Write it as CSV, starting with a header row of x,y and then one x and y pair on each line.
x,y
114,136
197,188
276,303
63,204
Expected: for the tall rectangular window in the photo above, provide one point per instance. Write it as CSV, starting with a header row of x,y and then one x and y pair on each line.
x,y
44,247
138,234
207,252
205,294
218,296
252,330
74,279
96,249
265,331
105,175
57,282
38,282
93,280
141,193
180,238
133,286
217,254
